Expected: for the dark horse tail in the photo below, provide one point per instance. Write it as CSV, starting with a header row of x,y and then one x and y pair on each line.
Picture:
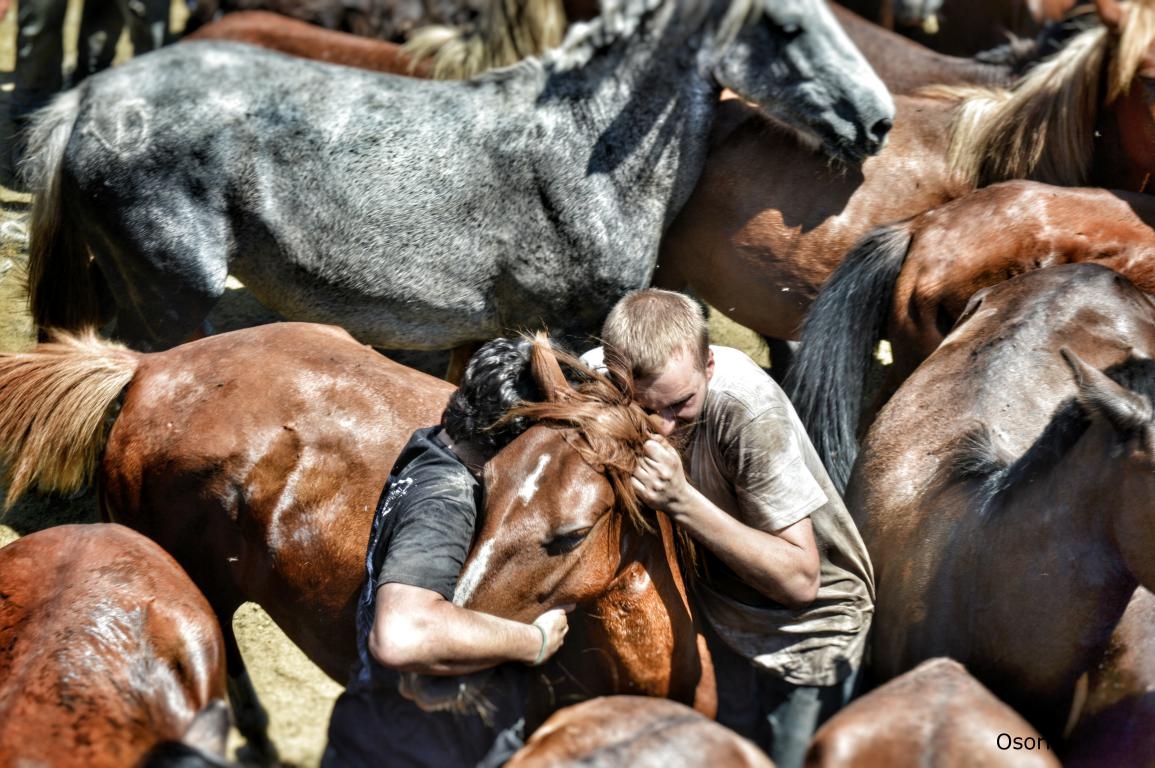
x,y
62,280
828,379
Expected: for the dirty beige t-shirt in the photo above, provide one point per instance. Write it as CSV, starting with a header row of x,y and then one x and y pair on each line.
x,y
750,455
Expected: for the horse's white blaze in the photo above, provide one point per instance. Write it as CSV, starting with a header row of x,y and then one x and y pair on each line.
x,y
529,488
473,575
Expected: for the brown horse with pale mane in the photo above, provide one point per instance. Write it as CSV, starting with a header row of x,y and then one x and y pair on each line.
x,y
1005,492
256,458
109,655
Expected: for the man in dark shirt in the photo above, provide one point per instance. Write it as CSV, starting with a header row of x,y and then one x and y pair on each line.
x,y
406,621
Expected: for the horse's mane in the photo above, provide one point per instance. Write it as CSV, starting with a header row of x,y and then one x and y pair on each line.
x,y
1043,127
516,30
509,31
976,456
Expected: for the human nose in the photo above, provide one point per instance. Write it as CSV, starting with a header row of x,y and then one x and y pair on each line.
x,y
666,422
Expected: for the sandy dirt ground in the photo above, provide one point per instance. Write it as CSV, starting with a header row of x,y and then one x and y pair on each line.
x,y
298,696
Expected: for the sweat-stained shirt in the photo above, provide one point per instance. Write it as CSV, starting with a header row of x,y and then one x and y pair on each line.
x,y
750,455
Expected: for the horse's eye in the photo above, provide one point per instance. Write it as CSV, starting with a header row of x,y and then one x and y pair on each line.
x,y
566,542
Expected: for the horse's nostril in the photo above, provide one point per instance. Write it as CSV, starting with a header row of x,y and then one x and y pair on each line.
x,y
881,128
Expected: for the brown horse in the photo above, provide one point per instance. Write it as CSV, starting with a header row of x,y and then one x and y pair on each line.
x,y
770,219
615,731
382,19
1005,492
581,538
299,38
256,457
935,714
109,655
909,282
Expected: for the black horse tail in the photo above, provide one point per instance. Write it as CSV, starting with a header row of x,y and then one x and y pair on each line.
x,y
62,281
828,378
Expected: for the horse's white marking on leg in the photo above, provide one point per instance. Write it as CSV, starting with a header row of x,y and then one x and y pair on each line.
x,y
530,486
472,575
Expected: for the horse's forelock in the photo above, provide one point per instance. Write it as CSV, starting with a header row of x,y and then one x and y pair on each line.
x,y
612,431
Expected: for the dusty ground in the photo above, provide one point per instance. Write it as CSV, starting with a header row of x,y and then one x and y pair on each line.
x,y
298,696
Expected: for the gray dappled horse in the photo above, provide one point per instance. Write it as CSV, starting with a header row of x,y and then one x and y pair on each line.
x,y
416,214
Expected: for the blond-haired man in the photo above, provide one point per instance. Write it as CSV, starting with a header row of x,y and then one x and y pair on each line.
x,y
787,587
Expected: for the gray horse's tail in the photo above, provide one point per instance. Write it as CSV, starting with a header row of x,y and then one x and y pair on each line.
x,y
507,32
54,405
828,378
62,282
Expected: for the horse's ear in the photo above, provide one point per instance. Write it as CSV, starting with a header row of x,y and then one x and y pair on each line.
x,y
1098,392
547,371
1110,13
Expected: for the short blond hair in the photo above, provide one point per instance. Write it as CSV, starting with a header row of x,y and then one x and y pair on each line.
x,y
647,328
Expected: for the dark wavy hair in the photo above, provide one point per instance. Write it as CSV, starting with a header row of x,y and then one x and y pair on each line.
x,y
497,378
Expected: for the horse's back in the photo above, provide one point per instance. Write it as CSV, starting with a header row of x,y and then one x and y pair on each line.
x,y
106,648
256,457
936,714
639,731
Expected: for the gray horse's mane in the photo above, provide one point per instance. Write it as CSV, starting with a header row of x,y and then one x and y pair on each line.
x,y
621,19
976,456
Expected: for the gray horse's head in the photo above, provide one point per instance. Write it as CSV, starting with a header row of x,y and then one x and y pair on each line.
x,y
793,59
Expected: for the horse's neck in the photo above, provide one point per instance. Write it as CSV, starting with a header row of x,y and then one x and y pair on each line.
x,y
1041,579
645,101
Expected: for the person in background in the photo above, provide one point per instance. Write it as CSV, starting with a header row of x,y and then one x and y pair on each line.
x,y
39,72
407,621
787,586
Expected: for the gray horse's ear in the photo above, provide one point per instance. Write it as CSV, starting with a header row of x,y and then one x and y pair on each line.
x,y
1110,13
547,371
1126,410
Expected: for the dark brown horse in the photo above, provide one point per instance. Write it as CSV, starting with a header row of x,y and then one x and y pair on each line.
x,y
769,219
909,282
1005,492
256,458
935,714
615,731
109,655
965,27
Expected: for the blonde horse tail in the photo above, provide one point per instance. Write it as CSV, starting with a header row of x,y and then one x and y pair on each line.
x,y
55,405
508,32
62,290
